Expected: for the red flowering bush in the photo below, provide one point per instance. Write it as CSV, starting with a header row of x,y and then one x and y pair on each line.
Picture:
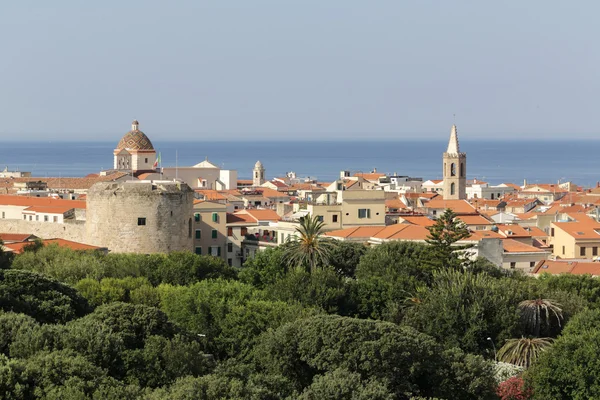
x,y
513,389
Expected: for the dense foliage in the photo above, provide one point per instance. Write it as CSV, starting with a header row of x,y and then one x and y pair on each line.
x,y
398,320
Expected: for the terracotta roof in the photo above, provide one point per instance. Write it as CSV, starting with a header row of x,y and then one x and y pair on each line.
x,y
403,232
517,230
48,210
74,183
478,235
210,194
278,184
458,206
17,248
372,176
567,267
420,220
514,246
512,185
580,229
26,201
245,181
413,195
16,237
361,232
395,204
261,215
474,220
240,219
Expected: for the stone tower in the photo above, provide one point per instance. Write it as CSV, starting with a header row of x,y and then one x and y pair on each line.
x,y
258,175
135,151
140,216
455,170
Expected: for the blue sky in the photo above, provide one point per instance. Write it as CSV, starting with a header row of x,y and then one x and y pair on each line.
x,y
310,69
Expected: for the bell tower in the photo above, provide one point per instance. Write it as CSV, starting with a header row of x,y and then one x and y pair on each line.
x,y
455,169
258,174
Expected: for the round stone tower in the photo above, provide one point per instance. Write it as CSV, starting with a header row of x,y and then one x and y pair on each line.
x,y
140,216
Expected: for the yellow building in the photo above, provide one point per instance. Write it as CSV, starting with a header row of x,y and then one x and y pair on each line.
x,y
578,237
210,228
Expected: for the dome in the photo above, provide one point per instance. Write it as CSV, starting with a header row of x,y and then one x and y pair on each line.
x,y
135,139
258,165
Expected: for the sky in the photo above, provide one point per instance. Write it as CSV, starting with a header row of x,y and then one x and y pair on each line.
x,y
299,69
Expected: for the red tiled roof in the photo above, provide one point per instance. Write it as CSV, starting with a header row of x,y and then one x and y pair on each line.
x,y
26,201
15,237
458,206
17,248
567,267
514,246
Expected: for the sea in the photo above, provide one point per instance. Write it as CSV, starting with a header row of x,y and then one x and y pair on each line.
x,y
537,161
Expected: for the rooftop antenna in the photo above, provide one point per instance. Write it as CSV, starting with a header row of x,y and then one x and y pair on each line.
x,y
176,165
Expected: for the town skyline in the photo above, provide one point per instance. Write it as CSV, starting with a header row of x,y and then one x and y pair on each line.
x,y
281,71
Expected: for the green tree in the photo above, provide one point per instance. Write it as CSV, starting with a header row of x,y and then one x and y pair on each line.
x,y
6,258
309,249
345,256
569,369
539,315
463,309
407,361
40,297
322,288
524,351
11,325
443,235
264,268
342,384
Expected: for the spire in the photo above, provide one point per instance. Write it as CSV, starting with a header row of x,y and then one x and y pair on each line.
x,y
453,143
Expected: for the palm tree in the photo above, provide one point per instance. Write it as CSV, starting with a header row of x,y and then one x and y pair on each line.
x,y
538,311
523,352
309,249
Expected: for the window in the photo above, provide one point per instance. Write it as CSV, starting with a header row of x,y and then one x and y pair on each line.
x,y
25,217
594,251
214,234
37,217
215,217
582,251
229,247
551,231
452,169
198,250
55,219
31,217
197,217
3,216
462,170
563,249
141,221
334,218
230,262
531,264
513,265
146,160
320,218
45,218
364,213
198,234
230,231
190,228
215,251
452,189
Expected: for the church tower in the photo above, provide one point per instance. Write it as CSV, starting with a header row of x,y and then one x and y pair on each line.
x,y
258,174
455,169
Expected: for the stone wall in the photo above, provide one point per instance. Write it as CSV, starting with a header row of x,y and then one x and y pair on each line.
x,y
74,231
115,212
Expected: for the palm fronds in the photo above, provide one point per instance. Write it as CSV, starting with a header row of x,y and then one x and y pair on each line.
x,y
524,351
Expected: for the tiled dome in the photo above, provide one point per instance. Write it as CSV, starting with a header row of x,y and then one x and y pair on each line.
x,y
135,140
